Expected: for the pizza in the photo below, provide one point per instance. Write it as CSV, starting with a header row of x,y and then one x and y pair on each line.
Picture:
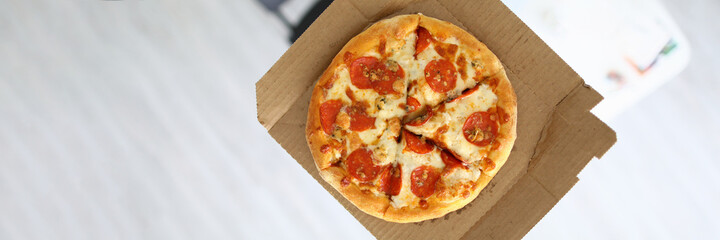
x,y
412,119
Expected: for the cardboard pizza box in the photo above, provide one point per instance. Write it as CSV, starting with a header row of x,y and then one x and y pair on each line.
x,y
557,135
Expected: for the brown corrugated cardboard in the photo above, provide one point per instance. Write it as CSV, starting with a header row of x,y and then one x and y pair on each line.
x,y
557,135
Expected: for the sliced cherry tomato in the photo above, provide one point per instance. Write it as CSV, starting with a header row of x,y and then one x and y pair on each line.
x,y
360,165
440,75
480,128
328,113
415,144
423,180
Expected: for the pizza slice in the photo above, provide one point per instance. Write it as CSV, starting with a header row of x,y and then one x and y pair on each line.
x,y
445,67
366,99
475,126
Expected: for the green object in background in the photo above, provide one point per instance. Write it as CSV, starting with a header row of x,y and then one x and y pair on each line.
x,y
669,47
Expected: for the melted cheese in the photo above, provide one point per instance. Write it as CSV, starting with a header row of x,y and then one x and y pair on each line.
x,y
342,82
404,56
386,147
409,161
423,92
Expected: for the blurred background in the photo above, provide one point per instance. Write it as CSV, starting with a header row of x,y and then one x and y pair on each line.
x,y
136,119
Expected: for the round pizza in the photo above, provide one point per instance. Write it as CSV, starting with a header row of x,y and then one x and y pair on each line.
x,y
411,119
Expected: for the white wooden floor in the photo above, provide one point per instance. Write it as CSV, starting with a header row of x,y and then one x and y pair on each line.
x,y
136,120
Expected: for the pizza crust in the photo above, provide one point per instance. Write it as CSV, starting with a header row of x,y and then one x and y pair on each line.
x,y
378,205
435,207
368,202
508,131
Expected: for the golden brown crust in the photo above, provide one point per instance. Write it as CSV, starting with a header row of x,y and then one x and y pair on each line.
x,y
435,207
507,132
378,205
363,199
443,30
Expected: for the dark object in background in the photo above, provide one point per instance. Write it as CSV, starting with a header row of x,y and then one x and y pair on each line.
x,y
309,18
272,5
297,30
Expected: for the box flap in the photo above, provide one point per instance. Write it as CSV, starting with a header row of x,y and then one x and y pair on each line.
x,y
557,136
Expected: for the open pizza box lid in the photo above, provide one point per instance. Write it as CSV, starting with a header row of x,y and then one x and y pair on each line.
x,y
557,135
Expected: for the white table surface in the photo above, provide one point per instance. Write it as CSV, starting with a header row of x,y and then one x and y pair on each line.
x,y
136,120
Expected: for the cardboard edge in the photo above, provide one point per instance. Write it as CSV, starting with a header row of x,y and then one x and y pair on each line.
x,y
584,98
527,196
570,112
272,102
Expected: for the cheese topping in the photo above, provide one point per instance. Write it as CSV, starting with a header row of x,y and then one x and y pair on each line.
x,y
423,93
409,161
341,82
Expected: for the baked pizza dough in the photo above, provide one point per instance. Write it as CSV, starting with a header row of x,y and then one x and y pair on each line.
x,y
412,119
